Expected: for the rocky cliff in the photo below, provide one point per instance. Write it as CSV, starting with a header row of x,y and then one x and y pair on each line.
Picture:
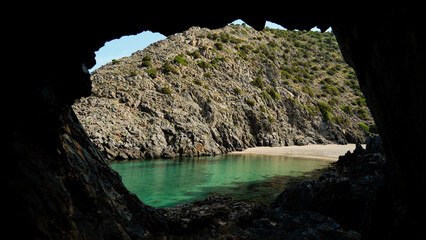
x,y
207,92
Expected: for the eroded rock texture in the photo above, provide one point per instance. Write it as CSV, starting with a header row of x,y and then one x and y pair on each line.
x,y
387,56
57,186
217,91
70,192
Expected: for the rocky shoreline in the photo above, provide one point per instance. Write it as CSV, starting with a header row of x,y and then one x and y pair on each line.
x,y
208,92
335,206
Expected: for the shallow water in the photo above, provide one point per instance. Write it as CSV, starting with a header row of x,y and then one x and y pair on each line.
x,y
167,182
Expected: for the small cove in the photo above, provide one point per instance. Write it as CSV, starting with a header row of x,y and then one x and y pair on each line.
x,y
167,182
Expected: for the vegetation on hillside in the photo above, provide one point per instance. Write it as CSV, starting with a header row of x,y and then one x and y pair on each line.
x,y
306,62
213,91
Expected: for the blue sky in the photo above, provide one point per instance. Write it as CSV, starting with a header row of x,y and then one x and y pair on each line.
x,y
127,45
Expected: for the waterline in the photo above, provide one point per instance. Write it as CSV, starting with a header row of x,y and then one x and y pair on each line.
x,y
167,182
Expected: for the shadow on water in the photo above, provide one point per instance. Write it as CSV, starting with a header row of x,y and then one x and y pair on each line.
x,y
264,191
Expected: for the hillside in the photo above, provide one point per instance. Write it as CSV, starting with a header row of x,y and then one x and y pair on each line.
x,y
206,92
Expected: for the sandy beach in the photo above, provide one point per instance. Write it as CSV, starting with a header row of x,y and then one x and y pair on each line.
x,y
329,152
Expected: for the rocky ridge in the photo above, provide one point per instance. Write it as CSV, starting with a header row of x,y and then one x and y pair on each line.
x,y
207,92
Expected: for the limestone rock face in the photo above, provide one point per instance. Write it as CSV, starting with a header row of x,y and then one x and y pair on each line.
x,y
207,92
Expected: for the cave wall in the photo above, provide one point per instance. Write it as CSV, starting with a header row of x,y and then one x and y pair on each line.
x,y
388,54
57,183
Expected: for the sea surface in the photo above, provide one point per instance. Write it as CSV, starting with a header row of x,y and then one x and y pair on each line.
x,y
167,182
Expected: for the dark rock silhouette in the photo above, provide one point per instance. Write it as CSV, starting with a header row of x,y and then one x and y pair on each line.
x,y
345,192
58,186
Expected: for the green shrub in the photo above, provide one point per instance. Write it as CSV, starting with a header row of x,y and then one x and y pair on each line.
x,y
194,54
258,83
341,89
115,61
340,120
250,102
368,129
297,44
244,48
198,82
274,94
333,101
212,36
327,116
262,108
166,90
325,110
180,59
353,83
203,64
285,73
362,113
331,71
297,79
351,75
332,90
364,127
146,64
225,37
310,109
167,68
207,75
214,64
235,40
147,58
152,72
219,46
221,59
265,95
347,109
133,73
307,90
324,107
358,93
238,91
328,80
361,101
243,55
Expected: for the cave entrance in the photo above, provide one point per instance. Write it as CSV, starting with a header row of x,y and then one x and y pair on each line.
x,y
209,92
124,46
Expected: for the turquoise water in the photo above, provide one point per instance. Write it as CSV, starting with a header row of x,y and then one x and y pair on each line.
x,y
167,182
